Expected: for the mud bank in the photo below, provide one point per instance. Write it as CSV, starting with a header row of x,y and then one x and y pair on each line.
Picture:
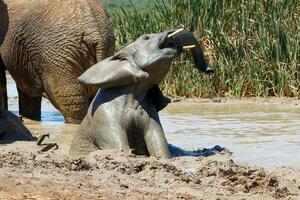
x,y
28,174
242,100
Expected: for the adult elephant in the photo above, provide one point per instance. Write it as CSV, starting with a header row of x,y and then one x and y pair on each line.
x,y
3,31
48,44
11,127
3,21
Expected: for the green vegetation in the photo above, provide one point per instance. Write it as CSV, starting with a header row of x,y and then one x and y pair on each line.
x,y
254,45
115,4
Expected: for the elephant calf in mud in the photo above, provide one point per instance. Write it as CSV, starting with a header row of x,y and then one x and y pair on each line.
x,y
121,115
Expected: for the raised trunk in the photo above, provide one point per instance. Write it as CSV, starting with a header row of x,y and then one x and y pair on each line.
x,y
186,38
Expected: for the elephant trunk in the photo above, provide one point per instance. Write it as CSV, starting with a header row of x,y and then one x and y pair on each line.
x,y
183,38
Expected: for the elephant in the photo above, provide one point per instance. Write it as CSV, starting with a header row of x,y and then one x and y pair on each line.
x,y
48,44
122,116
3,21
3,31
11,127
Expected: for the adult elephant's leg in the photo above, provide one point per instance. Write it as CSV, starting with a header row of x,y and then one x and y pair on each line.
x,y
29,107
67,95
3,88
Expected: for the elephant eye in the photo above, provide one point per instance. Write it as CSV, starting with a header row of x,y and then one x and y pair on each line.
x,y
146,37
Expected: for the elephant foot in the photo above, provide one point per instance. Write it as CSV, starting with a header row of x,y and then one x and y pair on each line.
x,y
70,120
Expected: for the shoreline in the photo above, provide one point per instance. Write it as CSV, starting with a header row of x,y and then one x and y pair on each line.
x,y
29,174
242,100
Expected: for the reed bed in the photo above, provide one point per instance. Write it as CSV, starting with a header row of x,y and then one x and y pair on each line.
x,y
254,45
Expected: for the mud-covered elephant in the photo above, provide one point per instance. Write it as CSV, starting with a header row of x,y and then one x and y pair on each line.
x,y
121,115
48,44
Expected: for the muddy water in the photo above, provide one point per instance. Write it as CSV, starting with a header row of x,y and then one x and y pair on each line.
x,y
262,134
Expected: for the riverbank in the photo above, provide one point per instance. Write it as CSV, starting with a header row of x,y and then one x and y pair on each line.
x,y
28,174
241,100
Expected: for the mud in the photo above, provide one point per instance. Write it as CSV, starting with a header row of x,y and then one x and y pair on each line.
x,y
265,134
26,173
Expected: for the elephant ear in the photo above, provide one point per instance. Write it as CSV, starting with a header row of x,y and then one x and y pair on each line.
x,y
112,72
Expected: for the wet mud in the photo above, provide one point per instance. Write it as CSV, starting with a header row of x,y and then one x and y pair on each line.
x,y
27,173
259,161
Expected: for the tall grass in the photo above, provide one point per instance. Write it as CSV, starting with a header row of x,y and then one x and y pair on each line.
x,y
254,45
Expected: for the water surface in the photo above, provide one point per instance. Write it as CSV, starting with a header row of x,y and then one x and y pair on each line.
x,y
262,134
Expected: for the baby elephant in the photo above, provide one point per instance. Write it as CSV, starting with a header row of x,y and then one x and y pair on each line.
x,y
122,116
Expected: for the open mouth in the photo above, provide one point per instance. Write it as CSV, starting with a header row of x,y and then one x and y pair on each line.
x,y
168,42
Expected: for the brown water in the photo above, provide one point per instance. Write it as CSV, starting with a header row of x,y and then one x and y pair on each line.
x,y
262,134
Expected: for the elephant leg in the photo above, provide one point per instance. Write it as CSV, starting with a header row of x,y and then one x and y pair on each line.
x,y
106,136
3,88
83,141
68,96
29,107
156,141
111,136
137,142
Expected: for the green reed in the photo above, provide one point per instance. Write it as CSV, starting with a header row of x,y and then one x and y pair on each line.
x,y
254,45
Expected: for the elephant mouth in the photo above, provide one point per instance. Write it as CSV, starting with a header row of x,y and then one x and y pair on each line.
x,y
168,42
169,46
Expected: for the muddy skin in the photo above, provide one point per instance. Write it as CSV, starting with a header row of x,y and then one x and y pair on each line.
x,y
122,116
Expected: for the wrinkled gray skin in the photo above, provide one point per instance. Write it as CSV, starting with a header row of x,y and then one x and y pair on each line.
x,y
11,127
48,44
121,116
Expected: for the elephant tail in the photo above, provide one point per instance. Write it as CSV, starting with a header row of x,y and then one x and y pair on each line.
x,y
3,90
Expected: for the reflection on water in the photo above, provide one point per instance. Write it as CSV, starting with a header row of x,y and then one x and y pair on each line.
x,y
262,134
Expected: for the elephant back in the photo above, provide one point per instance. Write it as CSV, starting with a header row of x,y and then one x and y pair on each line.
x,y
3,21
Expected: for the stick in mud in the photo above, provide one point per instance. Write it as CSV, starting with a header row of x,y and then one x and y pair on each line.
x,y
41,138
49,146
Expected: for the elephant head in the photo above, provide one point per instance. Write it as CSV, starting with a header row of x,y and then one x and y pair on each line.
x,y
147,59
